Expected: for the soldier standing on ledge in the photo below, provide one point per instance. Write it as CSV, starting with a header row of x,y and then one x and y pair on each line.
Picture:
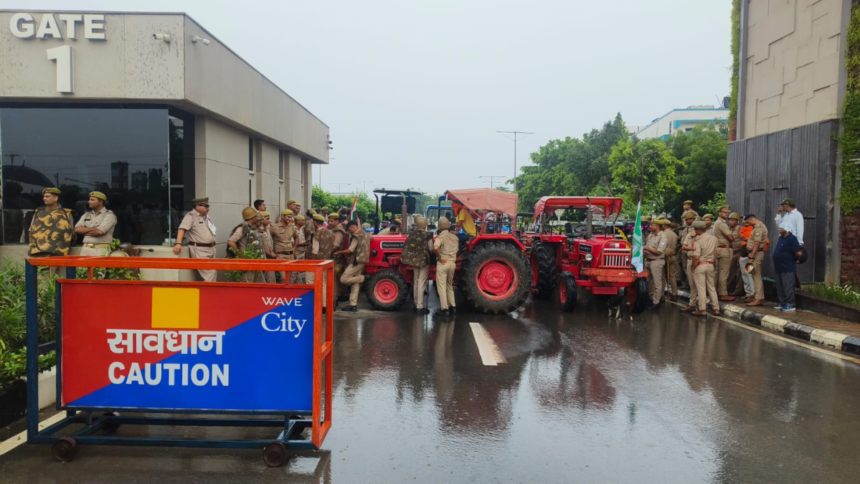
x,y
96,226
201,236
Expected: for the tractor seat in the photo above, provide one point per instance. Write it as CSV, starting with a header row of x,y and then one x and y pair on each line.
x,y
568,229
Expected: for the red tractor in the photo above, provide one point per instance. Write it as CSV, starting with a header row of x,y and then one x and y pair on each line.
x,y
563,260
493,270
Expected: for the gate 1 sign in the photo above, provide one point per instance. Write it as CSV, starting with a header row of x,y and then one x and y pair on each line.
x,y
187,347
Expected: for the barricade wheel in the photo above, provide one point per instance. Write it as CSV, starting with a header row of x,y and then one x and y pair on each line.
x,y
275,454
111,427
65,449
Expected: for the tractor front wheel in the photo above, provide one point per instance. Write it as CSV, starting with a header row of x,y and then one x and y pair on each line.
x,y
387,290
497,277
567,292
637,295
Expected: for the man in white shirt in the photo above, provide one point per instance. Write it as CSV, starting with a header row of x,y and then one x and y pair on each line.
x,y
792,219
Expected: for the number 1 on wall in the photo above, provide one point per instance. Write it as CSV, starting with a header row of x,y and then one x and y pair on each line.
x,y
63,57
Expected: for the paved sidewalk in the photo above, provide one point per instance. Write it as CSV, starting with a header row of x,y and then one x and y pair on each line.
x,y
816,328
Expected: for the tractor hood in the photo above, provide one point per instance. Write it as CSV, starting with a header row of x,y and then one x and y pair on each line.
x,y
610,205
486,199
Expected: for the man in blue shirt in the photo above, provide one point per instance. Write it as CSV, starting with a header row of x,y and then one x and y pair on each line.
x,y
785,264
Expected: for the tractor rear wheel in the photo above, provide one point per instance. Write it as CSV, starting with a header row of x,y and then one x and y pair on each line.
x,y
497,277
387,290
567,292
544,270
637,295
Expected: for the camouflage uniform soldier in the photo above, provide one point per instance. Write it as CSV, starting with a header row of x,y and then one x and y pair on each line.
x,y
245,235
52,230
96,226
416,253
321,249
359,255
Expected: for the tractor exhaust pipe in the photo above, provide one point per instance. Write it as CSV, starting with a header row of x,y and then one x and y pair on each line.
x,y
589,217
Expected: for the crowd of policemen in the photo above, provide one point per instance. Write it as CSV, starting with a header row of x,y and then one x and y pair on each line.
x,y
716,260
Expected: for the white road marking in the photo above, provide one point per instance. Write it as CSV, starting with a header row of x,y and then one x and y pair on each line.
x,y
21,438
490,353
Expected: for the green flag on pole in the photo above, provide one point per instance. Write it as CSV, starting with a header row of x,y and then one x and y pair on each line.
x,y
636,260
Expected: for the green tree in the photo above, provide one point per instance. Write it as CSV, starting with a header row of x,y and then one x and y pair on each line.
x,y
365,207
703,151
660,171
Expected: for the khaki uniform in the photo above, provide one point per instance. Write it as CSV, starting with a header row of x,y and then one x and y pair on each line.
x,y
448,245
104,220
245,235
416,253
736,283
723,264
672,260
353,276
51,232
321,249
385,231
299,253
703,274
683,257
201,241
759,234
282,241
340,236
656,266
268,276
690,241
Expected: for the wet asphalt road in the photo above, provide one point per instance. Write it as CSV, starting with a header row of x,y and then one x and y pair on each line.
x,y
583,398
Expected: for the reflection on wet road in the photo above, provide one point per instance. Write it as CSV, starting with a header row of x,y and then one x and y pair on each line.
x,y
582,398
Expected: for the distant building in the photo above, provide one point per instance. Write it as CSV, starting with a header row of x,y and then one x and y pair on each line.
x,y
119,175
682,120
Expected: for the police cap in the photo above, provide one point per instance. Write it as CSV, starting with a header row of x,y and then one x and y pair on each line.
x,y
688,202
101,196
332,216
699,224
444,223
265,214
290,201
688,215
286,212
300,218
52,191
319,218
708,216
199,201
735,216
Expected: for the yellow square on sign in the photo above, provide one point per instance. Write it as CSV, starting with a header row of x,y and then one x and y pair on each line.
x,y
174,307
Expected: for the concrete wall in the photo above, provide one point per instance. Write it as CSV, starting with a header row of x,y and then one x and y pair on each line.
x,y
792,66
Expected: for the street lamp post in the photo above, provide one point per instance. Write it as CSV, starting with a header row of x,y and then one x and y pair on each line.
x,y
515,139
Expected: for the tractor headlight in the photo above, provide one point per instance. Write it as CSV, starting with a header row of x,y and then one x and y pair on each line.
x,y
589,257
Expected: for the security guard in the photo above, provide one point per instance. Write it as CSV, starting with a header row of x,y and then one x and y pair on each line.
x,y
654,252
416,253
702,265
284,236
52,230
201,236
359,255
756,245
301,249
96,226
248,235
445,247
688,208
340,238
671,257
724,256
321,249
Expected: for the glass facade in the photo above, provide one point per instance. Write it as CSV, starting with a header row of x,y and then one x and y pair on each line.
x,y
135,155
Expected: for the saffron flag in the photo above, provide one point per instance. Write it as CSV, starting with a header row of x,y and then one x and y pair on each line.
x,y
636,260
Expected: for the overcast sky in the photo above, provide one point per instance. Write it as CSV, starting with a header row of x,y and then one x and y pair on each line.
x,y
414,91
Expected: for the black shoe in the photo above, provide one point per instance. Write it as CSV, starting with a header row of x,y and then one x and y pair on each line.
x,y
423,311
653,306
444,312
415,309
350,309
452,311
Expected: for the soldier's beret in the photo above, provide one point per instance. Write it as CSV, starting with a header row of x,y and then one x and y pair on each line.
x,y
699,224
290,201
299,217
286,212
688,202
319,217
708,216
735,216
101,196
200,201
52,191
689,215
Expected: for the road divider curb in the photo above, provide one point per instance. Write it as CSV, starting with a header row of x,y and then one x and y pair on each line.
x,y
828,339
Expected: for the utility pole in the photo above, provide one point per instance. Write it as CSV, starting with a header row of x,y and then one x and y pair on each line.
x,y
338,186
492,179
515,139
